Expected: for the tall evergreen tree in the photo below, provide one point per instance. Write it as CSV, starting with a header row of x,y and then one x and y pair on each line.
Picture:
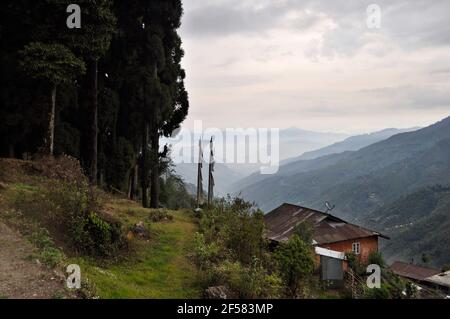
x,y
92,41
54,64
169,104
132,94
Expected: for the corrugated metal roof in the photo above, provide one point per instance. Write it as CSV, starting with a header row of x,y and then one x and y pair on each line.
x,y
413,271
282,221
442,279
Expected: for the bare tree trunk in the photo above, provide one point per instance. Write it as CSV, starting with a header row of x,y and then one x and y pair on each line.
x,y
11,151
144,166
135,182
154,195
50,143
144,158
130,186
93,120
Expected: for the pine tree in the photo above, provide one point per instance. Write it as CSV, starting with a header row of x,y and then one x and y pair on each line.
x,y
168,101
54,64
92,41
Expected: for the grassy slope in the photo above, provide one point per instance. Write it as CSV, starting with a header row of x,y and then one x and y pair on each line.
x,y
156,268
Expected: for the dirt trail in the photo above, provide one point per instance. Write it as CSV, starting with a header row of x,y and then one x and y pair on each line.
x,y
20,278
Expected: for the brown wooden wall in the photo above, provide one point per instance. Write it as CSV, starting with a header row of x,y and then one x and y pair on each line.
x,y
367,245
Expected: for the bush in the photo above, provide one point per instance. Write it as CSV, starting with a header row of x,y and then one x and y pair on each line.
x,y
355,264
411,290
205,254
174,194
376,258
296,262
160,215
305,230
378,293
239,228
95,236
256,282
252,282
72,211
49,254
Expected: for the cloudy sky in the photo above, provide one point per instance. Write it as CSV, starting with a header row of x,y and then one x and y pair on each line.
x,y
316,64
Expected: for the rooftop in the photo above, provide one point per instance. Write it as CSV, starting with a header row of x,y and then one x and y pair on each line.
x,y
442,279
413,271
282,221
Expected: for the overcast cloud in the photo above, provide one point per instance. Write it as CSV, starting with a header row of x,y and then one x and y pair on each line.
x,y
316,65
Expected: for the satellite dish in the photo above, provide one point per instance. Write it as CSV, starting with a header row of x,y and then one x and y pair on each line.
x,y
329,207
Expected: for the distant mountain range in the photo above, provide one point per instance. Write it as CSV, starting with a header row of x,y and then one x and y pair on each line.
x,y
352,143
363,183
293,142
359,181
303,163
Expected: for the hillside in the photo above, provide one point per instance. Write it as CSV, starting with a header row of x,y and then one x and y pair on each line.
x,y
362,181
353,143
152,261
417,224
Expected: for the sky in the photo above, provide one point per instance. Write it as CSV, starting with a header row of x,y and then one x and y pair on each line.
x,y
317,65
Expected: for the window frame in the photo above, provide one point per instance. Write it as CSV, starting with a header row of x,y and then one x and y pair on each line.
x,y
356,248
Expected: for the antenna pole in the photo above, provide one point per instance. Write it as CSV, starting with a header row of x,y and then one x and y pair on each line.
x,y
199,175
211,176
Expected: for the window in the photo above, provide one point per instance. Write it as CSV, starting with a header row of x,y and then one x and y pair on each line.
x,y
356,248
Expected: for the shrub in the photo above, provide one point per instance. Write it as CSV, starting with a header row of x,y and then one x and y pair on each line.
x,y
95,236
305,230
355,264
256,282
73,211
160,215
238,226
296,262
376,258
411,290
49,254
378,293
252,282
205,254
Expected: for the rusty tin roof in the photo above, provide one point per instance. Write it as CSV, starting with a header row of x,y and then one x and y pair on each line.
x,y
282,221
413,271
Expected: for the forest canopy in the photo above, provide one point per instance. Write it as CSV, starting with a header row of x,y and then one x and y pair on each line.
x,y
104,93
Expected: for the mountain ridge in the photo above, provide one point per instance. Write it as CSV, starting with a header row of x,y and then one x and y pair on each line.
x,y
336,169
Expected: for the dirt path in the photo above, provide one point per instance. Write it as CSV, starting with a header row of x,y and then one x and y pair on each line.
x,y
20,278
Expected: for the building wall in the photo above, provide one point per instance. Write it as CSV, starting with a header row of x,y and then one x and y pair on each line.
x,y
368,245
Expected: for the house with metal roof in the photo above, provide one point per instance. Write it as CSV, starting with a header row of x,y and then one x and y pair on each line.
x,y
330,232
413,272
429,277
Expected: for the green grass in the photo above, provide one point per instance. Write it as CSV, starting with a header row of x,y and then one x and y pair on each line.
x,y
24,187
158,269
